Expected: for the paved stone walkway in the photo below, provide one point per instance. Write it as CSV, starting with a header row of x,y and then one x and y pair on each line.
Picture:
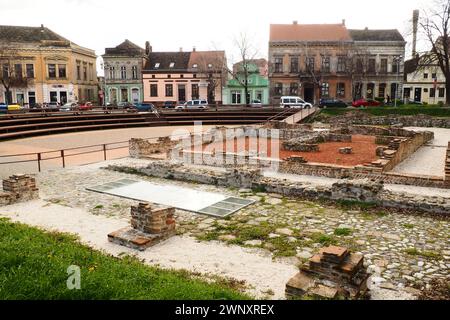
x,y
400,250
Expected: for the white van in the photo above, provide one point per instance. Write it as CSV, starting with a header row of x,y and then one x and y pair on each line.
x,y
199,104
294,102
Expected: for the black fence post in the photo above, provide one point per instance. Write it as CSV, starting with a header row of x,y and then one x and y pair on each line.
x,y
63,160
39,158
104,152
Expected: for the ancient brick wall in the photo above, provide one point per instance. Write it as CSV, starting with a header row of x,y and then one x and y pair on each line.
x,y
141,148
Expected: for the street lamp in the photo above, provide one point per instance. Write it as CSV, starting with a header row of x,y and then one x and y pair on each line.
x,y
397,84
104,67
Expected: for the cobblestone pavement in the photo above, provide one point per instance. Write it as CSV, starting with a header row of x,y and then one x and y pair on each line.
x,y
400,250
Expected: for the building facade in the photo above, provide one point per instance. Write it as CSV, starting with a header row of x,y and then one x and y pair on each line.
x,y
258,86
123,66
329,61
40,66
182,76
424,82
378,64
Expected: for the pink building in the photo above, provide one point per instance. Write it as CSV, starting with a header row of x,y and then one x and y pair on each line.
x,y
183,76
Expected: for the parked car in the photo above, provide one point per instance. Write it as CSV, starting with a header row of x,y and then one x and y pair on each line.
x,y
126,106
366,103
294,102
256,103
70,106
332,103
87,106
169,105
7,108
145,107
199,104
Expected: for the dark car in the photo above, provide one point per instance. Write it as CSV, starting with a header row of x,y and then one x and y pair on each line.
x,y
332,103
366,103
170,105
144,107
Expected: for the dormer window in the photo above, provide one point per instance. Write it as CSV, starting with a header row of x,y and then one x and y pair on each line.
x,y
195,66
210,65
157,65
172,64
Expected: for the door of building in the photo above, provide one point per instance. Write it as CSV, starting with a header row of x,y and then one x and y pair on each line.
x,y
181,92
418,94
20,98
135,95
32,98
124,95
53,96
63,97
309,93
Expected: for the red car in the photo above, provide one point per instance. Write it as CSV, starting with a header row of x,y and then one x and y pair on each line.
x,y
85,107
366,103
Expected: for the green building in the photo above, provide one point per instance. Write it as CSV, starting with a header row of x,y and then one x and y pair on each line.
x,y
258,87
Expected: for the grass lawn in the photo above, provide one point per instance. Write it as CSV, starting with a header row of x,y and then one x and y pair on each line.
x,y
405,110
33,265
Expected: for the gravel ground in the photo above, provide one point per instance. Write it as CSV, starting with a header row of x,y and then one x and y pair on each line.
x,y
428,160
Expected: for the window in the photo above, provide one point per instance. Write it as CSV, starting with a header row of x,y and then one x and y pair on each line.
x,y
325,89
30,71
278,89
382,90
195,66
79,72
359,65
326,64
84,73
111,73
195,91
310,62
432,92
18,71
210,66
169,76
342,64
157,65
52,71
181,76
433,76
340,90
383,66
169,90
259,95
235,97
62,71
441,92
5,71
395,67
123,73
153,90
372,63
294,64
194,76
134,72
153,76
425,75
172,64
293,89
278,65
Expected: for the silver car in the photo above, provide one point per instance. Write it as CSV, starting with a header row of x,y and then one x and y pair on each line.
x,y
199,104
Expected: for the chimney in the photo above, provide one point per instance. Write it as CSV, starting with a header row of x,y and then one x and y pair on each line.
x,y
343,22
148,48
295,22
415,28
194,49
42,28
181,49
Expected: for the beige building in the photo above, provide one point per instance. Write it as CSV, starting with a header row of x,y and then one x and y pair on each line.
x,y
183,76
40,66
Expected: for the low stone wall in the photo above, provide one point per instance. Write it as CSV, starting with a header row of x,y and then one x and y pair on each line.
x,y
18,188
141,148
362,118
359,190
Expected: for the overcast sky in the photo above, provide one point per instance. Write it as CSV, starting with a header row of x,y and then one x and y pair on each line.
x,y
205,24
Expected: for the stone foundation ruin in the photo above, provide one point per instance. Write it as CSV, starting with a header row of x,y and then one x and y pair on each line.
x,y
331,274
18,188
149,226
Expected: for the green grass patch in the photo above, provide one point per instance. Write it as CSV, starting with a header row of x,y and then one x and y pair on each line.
x,y
432,255
324,239
404,110
408,226
98,207
343,232
34,263
353,204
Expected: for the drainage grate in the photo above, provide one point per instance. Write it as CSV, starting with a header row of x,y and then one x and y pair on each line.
x,y
208,203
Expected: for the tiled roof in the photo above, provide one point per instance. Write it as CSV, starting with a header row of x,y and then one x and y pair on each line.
x,y
180,61
376,35
207,60
126,48
309,32
28,34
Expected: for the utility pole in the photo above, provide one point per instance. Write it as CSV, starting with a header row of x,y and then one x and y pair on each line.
x,y
397,84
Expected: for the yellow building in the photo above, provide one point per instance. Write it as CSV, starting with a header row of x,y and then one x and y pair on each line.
x,y
38,66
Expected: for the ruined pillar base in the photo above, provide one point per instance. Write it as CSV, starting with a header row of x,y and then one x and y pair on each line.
x,y
137,240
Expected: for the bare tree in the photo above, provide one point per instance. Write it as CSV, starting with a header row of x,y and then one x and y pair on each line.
x,y
10,76
247,55
435,26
